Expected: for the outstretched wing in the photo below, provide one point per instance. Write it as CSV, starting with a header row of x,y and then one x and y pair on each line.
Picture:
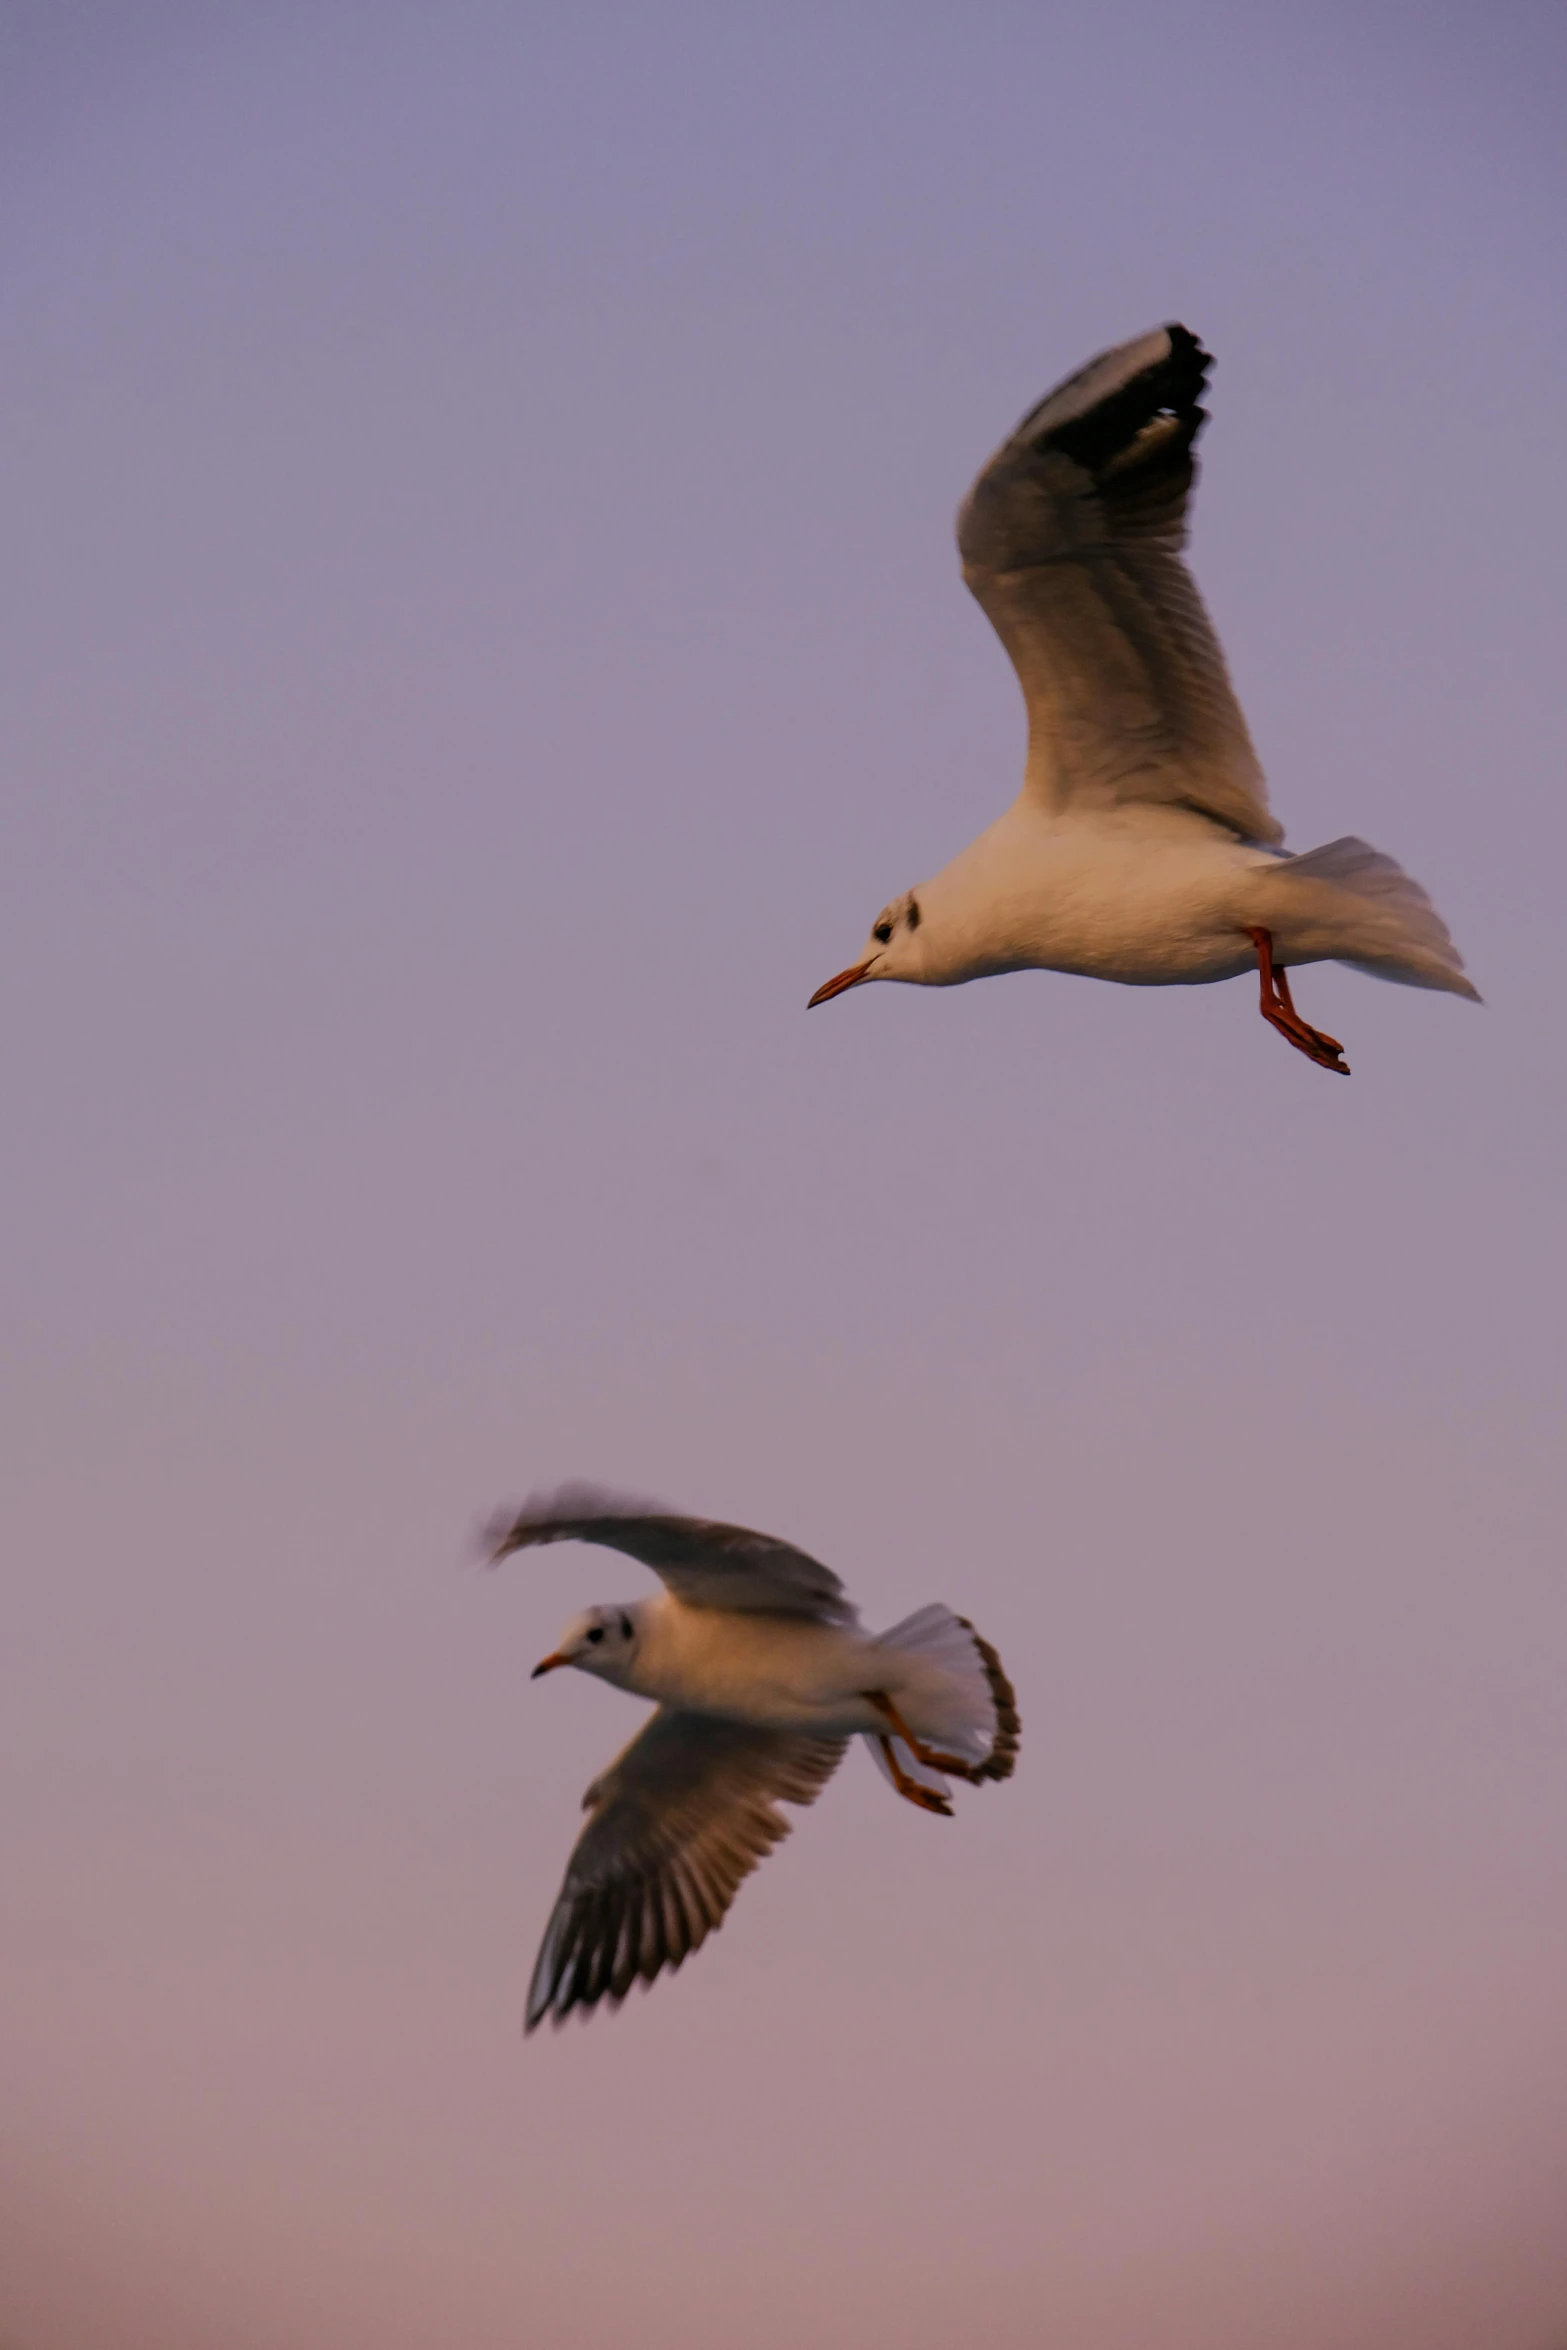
x,y
1071,540
703,1563
679,1821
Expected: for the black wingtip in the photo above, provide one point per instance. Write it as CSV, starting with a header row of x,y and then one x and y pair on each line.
x,y
1184,345
505,1532
1170,383
1186,367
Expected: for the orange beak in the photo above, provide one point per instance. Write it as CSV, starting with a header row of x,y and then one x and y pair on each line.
x,y
844,980
548,1665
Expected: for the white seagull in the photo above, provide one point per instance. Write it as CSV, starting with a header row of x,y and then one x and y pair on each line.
x,y
1141,847
761,1674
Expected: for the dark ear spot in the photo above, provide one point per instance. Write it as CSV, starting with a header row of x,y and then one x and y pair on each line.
x,y
914,913
625,1625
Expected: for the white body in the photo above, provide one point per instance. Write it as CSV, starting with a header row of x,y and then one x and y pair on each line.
x,y
1157,896
787,1673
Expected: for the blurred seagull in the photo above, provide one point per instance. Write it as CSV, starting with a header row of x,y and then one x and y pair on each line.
x,y
761,1674
1142,847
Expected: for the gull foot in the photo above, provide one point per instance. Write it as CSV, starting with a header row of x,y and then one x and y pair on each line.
x,y
1277,1007
924,1798
1326,1051
930,1756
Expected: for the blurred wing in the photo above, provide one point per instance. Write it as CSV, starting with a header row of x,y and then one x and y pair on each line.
x,y
679,1820
1071,540
704,1564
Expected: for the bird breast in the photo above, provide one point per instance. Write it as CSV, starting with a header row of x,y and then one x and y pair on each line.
x,y
1149,896
780,1671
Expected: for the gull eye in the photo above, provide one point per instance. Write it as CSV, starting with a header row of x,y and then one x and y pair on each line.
x,y
883,931
597,1633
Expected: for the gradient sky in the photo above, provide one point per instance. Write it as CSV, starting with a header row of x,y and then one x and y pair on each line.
x,y
483,638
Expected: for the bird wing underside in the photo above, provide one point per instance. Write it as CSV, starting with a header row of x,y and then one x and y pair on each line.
x,y
678,1822
1071,542
703,1563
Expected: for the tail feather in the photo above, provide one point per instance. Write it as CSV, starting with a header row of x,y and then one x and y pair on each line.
x,y
968,1705
1348,903
1001,1761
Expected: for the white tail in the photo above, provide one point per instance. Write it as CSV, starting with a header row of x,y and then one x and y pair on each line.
x,y
1348,903
958,1697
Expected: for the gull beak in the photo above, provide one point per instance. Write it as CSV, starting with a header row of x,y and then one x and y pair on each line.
x,y
844,980
548,1665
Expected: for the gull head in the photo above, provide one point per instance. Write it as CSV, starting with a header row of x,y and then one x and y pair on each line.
x,y
894,950
601,1640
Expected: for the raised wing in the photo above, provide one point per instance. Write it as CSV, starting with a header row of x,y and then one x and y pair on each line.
x,y
704,1564
1071,540
679,1821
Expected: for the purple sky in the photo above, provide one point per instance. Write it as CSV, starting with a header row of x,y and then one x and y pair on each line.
x,y
483,638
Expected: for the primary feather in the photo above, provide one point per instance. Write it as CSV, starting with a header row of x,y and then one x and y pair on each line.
x,y
1071,541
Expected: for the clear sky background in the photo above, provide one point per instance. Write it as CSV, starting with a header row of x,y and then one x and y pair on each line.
x,y
482,639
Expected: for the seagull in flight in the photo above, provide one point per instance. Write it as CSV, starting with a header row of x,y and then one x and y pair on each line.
x,y
761,1673
1141,847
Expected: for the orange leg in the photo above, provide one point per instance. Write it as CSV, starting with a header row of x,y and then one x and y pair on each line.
x,y
1278,1009
916,1746
926,1798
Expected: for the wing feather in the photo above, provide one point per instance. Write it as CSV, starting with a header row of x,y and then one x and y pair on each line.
x,y
1071,542
704,1563
676,1825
